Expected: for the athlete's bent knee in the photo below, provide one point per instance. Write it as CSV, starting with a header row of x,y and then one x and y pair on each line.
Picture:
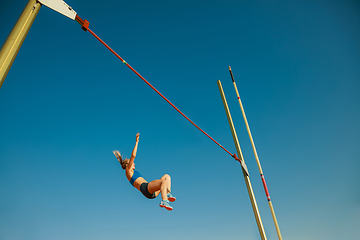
x,y
166,176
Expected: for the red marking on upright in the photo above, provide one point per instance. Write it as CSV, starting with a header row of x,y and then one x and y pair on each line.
x,y
265,187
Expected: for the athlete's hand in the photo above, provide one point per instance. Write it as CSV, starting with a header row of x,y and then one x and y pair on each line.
x,y
137,136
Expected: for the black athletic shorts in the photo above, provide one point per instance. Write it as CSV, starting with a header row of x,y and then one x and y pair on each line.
x,y
144,190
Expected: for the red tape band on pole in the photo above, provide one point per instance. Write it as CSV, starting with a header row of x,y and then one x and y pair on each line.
x,y
265,187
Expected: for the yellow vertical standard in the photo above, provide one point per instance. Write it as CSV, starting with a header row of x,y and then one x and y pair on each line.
x,y
257,158
246,176
17,36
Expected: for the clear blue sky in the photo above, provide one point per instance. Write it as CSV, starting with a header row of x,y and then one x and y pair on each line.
x,y
67,102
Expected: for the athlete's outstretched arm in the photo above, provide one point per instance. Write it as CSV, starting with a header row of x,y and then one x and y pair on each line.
x,y
133,154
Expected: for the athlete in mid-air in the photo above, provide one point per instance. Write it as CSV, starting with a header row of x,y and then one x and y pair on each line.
x,y
149,189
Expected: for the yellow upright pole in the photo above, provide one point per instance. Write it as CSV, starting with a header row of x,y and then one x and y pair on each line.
x,y
17,36
246,176
257,159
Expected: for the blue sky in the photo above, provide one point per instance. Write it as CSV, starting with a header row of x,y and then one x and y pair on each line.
x,y
67,102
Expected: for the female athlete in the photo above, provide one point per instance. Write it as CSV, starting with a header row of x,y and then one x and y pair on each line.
x,y
149,189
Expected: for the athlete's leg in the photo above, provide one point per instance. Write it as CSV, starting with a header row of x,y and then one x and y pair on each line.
x,y
159,184
157,193
169,195
167,178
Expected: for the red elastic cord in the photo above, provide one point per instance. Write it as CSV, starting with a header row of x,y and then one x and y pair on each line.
x,y
236,158
85,24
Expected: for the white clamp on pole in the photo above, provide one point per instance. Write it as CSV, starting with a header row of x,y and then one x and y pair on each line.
x,y
59,6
